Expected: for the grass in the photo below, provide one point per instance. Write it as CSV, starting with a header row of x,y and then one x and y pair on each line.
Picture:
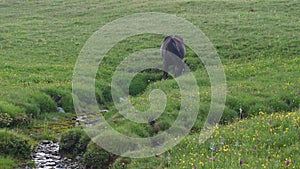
x,y
251,89
48,126
271,142
269,32
8,162
257,42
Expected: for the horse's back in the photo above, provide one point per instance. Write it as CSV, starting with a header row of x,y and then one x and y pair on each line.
x,y
173,44
172,52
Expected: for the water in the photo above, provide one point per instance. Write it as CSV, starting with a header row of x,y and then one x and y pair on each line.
x,y
48,157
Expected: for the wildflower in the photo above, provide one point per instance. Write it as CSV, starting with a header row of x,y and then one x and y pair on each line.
x,y
213,159
167,160
241,162
270,121
195,167
287,162
241,112
212,146
222,141
225,148
254,148
168,156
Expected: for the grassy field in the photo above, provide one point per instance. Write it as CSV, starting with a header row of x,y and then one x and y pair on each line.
x,y
257,41
272,142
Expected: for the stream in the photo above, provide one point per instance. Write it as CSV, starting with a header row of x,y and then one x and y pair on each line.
x,y
48,157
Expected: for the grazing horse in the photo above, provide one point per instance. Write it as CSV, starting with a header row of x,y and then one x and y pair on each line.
x,y
173,46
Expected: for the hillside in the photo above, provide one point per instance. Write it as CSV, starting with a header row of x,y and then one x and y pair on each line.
x,y
258,45
272,141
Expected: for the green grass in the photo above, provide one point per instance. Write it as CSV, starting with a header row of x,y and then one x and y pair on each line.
x,y
257,41
270,142
252,87
47,126
8,162
15,144
51,33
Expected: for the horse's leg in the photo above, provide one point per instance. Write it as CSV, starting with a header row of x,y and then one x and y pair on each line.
x,y
166,70
181,68
175,70
165,75
178,69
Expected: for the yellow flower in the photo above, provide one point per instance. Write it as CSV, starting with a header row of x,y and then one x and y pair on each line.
x,y
263,166
225,148
256,133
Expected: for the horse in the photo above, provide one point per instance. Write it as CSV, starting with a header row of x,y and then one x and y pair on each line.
x,y
172,53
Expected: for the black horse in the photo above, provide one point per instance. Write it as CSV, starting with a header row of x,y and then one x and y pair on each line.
x,y
173,46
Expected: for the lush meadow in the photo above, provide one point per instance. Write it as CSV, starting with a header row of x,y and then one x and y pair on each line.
x,y
258,44
272,141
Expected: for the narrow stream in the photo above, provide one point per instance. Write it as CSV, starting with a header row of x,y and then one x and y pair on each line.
x,y
48,157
